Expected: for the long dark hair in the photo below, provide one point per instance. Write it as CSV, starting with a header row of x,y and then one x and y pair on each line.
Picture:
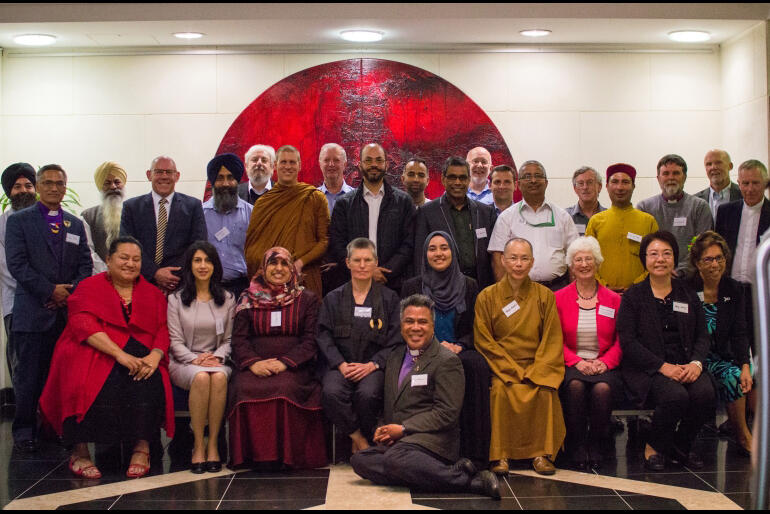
x,y
188,291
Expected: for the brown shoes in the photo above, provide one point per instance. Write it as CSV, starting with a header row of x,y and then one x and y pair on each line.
x,y
543,466
500,467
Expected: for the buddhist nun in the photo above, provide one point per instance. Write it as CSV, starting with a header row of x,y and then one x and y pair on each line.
x,y
517,330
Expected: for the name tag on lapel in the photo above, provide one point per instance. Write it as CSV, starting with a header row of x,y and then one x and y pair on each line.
x,y
222,234
419,380
275,319
73,238
220,326
680,222
511,308
481,233
607,312
362,312
580,228
634,237
681,307
700,296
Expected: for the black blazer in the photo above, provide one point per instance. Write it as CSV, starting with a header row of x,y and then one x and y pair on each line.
x,y
641,334
436,215
463,322
429,413
729,222
735,193
31,261
243,192
186,225
395,230
731,336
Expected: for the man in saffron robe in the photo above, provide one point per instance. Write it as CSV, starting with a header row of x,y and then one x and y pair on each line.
x,y
517,330
292,215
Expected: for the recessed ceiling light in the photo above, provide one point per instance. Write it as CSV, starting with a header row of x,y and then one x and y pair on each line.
x,y
188,35
689,36
34,39
535,32
361,36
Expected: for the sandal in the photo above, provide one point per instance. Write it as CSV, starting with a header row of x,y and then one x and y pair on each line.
x,y
84,472
138,470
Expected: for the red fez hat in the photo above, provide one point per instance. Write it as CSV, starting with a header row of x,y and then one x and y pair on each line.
x,y
622,168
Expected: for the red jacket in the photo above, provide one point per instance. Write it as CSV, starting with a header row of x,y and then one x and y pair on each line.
x,y
609,347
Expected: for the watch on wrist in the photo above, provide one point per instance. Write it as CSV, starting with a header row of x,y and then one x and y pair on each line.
x,y
697,363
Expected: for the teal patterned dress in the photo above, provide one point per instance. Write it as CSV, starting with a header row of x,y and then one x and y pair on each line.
x,y
726,374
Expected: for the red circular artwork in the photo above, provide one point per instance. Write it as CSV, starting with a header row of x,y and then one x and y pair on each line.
x,y
408,110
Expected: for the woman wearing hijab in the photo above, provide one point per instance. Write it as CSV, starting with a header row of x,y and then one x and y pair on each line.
x,y
274,403
455,296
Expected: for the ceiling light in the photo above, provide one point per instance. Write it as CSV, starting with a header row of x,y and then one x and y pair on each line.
x,y
35,39
188,35
689,36
361,36
535,32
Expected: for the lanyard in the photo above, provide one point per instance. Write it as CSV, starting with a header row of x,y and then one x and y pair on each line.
x,y
536,225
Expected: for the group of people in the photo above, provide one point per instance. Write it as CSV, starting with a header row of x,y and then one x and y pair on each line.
x,y
434,333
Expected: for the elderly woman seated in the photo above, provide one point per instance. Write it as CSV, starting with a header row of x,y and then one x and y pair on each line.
x,y
728,358
662,332
109,373
591,353
274,400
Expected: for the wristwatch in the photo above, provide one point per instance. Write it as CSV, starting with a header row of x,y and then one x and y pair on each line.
x,y
697,363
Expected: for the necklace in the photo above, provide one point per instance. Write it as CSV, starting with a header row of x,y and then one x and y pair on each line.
x,y
583,297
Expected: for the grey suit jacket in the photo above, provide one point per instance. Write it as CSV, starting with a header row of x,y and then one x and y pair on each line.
x,y
430,413
735,193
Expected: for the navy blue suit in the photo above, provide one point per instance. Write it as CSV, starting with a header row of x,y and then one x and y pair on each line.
x,y
33,262
186,225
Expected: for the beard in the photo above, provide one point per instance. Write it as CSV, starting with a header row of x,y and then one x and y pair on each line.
x,y
671,190
23,200
225,199
109,214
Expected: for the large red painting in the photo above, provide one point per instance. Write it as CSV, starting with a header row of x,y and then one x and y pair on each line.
x,y
408,110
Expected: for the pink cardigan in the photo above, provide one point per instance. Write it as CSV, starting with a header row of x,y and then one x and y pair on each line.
x,y
609,347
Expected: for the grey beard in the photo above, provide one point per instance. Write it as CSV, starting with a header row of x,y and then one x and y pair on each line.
x,y
670,191
109,215
225,199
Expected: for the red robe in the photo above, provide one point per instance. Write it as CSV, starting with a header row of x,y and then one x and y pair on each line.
x,y
78,370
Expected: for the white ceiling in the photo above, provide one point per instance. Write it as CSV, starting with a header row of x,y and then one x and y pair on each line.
x,y
406,26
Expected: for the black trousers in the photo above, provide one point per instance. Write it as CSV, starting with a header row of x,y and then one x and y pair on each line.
x,y
409,465
690,405
475,425
9,358
353,405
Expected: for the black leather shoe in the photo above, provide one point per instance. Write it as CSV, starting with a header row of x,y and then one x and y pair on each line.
x,y
28,446
466,465
656,462
486,483
213,466
691,459
198,467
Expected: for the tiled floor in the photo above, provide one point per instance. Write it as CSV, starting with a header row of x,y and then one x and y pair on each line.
x,y
43,481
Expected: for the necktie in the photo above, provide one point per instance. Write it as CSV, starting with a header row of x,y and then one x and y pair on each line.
x,y
406,367
162,222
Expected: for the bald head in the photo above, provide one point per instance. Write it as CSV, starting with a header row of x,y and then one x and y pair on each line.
x,y
718,165
480,161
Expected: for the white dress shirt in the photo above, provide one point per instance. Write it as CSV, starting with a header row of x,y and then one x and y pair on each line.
x,y
717,199
374,201
156,205
746,245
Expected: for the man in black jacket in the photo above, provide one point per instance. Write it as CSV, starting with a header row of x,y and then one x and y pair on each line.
x,y
379,212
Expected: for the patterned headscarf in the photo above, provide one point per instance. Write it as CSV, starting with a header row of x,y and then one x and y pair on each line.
x,y
263,295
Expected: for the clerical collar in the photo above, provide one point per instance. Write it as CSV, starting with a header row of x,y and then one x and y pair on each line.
x,y
674,199
415,353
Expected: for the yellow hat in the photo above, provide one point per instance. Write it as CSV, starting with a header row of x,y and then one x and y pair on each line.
x,y
105,170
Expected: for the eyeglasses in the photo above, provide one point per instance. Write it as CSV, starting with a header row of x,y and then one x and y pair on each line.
x,y
163,172
587,183
515,258
719,259
666,254
532,178
378,160
54,183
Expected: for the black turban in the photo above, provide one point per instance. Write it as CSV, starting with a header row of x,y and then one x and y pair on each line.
x,y
230,161
12,174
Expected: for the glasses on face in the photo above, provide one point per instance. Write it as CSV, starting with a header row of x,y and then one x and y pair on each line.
x,y
666,254
60,184
583,260
532,178
379,160
515,258
585,183
163,172
719,259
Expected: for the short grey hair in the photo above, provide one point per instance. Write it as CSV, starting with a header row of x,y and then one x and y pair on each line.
x,y
329,146
533,163
584,169
417,300
585,244
50,167
265,148
752,164
361,243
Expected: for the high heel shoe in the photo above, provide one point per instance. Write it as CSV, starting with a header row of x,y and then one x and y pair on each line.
x,y
139,470
84,472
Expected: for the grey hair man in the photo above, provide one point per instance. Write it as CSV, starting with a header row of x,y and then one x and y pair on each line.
x,y
587,184
721,189
332,159
260,164
103,220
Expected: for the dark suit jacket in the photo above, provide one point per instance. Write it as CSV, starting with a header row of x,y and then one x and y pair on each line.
x,y
436,215
735,193
395,230
186,225
729,223
463,322
429,413
37,270
641,334
243,192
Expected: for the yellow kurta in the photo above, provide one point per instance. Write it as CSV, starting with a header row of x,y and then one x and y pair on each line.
x,y
525,353
621,266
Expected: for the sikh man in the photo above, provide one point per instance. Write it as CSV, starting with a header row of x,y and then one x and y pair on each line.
x,y
419,443
332,159
293,215
517,330
260,163
103,221
415,179
480,161
227,218
587,184
502,181
721,189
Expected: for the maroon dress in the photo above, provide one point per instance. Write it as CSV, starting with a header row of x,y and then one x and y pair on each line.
x,y
277,418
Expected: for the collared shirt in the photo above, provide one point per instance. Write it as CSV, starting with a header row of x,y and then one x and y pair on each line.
x,y
580,219
331,198
746,245
374,201
485,196
7,282
156,205
717,199
227,232
254,194
498,210
550,230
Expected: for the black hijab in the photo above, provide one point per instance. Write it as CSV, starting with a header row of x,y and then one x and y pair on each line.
x,y
446,288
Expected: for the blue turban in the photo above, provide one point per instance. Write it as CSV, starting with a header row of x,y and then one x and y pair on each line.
x,y
12,174
230,161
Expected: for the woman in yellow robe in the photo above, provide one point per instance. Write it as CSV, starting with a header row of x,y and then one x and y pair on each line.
x,y
517,330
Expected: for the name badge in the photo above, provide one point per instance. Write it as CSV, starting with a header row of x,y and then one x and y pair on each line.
x,y
681,307
222,234
221,326
419,380
700,296
607,312
362,312
275,319
634,237
511,308
481,233
73,238
680,222
580,228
